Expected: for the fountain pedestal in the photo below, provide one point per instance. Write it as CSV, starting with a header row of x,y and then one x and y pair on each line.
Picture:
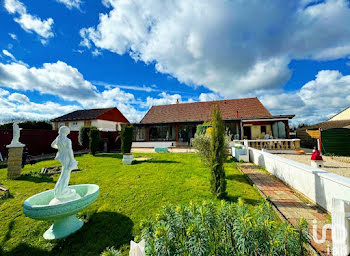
x,y
63,227
14,162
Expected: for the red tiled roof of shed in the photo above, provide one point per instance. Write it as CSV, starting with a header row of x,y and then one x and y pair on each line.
x,y
201,111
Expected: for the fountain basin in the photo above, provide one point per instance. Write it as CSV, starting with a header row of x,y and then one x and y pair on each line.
x,y
64,214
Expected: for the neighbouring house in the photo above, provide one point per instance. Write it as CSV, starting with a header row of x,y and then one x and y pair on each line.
x,y
343,115
105,119
245,118
335,133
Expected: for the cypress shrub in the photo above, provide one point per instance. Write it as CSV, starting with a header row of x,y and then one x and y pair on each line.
x,y
126,136
84,136
218,154
94,140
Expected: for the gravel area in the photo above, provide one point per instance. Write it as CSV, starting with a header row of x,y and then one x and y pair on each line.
x,y
331,165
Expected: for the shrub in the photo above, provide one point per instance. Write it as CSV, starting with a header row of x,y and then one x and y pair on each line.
x,y
218,154
227,229
94,140
126,135
202,144
111,251
84,136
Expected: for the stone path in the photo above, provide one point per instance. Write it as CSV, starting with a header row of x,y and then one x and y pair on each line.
x,y
290,205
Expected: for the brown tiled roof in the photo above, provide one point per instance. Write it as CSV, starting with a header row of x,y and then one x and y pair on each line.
x,y
86,114
201,111
330,124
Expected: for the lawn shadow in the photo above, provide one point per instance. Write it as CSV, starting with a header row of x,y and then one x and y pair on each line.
x,y
8,233
24,250
36,178
110,155
103,229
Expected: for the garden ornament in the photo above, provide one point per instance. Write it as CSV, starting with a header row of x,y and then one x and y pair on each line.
x,y
16,134
62,203
137,249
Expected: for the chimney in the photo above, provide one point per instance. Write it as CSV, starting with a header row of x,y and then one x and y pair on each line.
x,y
237,114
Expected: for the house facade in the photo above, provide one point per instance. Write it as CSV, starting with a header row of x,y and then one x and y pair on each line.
x,y
343,115
105,119
245,119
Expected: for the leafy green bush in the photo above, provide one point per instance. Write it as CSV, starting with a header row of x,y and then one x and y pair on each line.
x,y
229,229
111,251
201,142
94,140
126,136
218,154
84,136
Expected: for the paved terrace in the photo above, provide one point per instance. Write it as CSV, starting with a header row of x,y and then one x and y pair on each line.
x,y
291,206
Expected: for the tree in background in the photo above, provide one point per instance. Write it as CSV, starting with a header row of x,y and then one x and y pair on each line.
x,y
94,140
29,125
84,136
126,135
218,154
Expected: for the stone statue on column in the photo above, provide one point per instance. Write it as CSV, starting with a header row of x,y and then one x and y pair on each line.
x,y
15,151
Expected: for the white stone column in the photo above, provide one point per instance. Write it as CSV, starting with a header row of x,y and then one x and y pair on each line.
x,y
341,227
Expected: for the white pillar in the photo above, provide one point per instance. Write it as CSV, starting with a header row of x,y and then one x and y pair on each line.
x,y
340,227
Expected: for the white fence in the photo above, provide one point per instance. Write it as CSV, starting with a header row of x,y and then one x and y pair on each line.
x,y
318,185
273,145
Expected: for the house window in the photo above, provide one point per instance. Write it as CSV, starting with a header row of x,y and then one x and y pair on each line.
x,y
75,123
263,129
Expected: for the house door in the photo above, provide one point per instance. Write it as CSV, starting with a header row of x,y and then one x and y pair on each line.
x,y
247,132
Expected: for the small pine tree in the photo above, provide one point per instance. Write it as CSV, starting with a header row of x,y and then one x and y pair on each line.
x,y
126,135
84,136
94,140
218,154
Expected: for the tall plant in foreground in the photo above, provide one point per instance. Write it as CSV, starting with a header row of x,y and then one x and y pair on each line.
x,y
126,135
218,154
227,229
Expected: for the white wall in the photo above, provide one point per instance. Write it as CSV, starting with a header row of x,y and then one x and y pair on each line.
x,y
75,125
105,125
318,185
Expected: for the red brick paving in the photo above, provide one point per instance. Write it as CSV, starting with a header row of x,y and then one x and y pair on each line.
x,y
289,204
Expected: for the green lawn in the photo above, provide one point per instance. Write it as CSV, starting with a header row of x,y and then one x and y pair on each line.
x,y
128,194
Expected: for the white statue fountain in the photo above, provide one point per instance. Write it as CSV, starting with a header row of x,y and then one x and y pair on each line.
x,y
62,203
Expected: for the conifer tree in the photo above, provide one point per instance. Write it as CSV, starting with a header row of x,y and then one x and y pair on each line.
x,y
218,154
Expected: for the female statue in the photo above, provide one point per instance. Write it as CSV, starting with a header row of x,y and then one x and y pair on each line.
x,y
66,157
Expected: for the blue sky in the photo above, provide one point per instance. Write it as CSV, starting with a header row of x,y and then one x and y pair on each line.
x,y
60,55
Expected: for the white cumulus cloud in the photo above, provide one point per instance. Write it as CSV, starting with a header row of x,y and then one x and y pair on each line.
x,y
29,22
228,46
70,4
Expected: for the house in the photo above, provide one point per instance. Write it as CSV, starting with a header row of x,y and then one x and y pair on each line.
x,y
339,121
343,115
105,119
245,118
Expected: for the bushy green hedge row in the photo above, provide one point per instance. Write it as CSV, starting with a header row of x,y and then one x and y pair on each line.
x,y
229,229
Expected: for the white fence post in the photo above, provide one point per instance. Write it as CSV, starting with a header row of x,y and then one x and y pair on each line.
x,y
341,227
